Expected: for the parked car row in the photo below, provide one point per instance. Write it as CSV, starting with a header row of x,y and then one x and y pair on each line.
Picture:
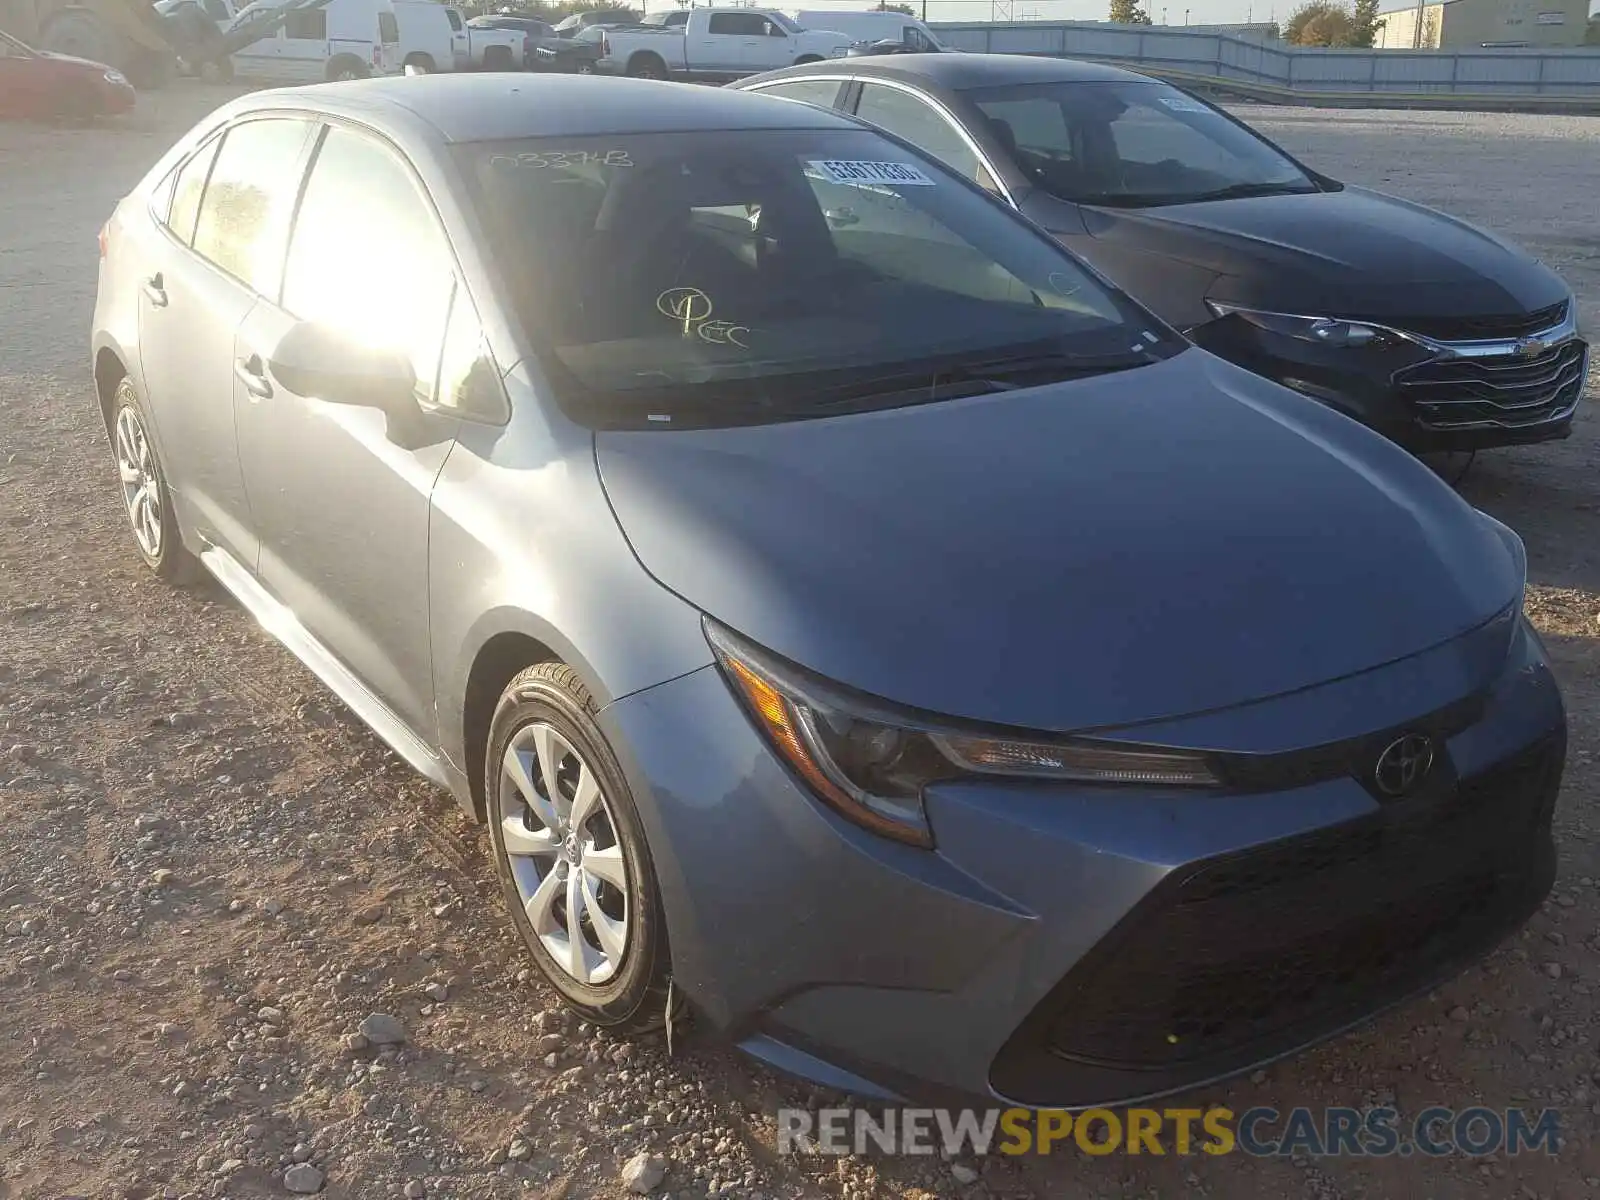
x,y
1438,334
863,623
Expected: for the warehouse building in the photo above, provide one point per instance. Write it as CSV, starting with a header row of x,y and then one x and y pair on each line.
x,y
1469,24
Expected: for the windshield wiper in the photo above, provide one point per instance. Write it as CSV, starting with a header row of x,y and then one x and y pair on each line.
x,y
1026,370
1236,191
1243,191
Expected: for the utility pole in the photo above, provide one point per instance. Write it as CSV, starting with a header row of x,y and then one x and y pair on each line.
x,y
1416,32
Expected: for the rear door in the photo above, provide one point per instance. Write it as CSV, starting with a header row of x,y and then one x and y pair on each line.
x,y
342,500
730,45
460,44
215,249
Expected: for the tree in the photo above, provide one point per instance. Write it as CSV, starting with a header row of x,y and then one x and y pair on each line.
x,y
1364,23
905,10
1320,23
1128,12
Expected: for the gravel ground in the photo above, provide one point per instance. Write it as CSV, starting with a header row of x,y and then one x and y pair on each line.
x,y
214,877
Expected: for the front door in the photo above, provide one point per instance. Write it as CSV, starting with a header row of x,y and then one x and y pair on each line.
x,y
342,500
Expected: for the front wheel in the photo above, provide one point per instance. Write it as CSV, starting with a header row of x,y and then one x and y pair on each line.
x,y
807,58
419,64
570,853
146,499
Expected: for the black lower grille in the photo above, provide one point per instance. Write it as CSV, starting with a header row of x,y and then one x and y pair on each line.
x,y
1287,936
1501,392
1483,329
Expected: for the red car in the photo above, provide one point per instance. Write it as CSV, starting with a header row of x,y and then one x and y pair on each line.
x,y
35,83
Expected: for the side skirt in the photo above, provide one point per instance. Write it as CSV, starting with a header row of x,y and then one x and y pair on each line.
x,y
282,624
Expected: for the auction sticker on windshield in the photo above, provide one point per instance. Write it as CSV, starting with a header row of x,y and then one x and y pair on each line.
x,y
849,171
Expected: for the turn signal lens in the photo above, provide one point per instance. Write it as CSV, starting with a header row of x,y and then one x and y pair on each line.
x,y
1085,761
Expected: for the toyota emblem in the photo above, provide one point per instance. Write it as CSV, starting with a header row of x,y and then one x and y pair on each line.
x,y
1403,765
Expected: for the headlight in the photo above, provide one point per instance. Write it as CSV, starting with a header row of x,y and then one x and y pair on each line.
x,y
116,77
871,762
1325,331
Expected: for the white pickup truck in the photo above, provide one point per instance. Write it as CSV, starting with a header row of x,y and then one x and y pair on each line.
x,y
716,44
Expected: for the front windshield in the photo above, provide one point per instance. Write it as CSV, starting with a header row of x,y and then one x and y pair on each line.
x,y
783,22
776,267
1132,144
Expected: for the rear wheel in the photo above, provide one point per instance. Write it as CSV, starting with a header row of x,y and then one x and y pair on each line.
x,y
807,58
419,64
346,67
647,66
570,853
145,497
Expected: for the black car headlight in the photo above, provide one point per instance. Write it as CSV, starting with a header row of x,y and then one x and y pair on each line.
x,y
870,761
1324,331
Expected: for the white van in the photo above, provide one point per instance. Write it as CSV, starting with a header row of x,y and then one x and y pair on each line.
x,y
865,27
342,39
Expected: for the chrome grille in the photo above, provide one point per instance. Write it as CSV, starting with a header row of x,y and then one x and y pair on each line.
x,y
1482,329
1504,391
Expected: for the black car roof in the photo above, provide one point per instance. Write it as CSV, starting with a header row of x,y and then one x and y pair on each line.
x,y
490,107
958,71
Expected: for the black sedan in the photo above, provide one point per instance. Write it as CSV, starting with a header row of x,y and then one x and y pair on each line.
x,y
1438,334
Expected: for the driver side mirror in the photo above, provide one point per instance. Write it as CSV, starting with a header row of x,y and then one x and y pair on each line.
x,y
316,361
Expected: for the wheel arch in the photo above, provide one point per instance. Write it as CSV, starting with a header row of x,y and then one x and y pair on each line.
x,y
110,369
505,643
338,62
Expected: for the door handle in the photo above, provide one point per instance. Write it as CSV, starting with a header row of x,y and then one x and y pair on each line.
x,y
253,375
155,290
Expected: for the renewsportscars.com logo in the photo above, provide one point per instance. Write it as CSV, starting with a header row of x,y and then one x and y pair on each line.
x,y
1434,1132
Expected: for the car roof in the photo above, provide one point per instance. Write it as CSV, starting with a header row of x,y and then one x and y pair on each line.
x,y
958,71
494,106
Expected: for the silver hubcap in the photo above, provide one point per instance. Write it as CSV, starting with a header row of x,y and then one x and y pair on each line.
x,y
141,489
561,843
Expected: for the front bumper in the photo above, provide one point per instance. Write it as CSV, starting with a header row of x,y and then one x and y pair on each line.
x,y
1427,396
1071,946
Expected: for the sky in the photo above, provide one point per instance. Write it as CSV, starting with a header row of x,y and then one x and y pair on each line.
x,y
1200,12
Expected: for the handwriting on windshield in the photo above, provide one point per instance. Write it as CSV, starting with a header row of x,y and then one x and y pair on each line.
x,y
562,158
692,308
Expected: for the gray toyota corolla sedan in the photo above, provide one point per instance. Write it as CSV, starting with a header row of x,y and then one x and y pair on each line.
x,y
849,614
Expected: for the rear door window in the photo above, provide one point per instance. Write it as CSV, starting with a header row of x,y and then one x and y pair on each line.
x,y
188,186
821,92
924,126
244,215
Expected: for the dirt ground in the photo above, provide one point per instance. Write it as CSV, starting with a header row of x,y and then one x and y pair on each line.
x,y
211,873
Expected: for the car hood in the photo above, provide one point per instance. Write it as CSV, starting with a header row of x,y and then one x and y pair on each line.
x,y
1157,542
1350,252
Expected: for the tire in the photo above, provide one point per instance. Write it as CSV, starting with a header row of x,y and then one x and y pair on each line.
x,y
146,498
647,66
497,58
620,986
807,58
419,64
346,67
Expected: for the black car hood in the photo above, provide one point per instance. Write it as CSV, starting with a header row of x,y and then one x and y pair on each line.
x,y
1350,252
1162,541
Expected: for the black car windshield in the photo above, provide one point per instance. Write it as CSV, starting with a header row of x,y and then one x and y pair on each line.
x,y
1132,144
781,269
